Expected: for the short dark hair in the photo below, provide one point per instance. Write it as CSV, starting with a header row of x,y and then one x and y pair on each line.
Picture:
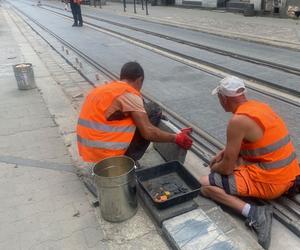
x,y
131,71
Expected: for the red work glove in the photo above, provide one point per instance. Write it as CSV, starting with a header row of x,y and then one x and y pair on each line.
x,y
183,140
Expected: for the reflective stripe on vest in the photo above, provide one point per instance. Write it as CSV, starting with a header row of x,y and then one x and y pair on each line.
x,y
105,127
278,164
266,150
102,144
99,138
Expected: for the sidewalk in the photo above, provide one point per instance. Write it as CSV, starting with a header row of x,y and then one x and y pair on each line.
x,y
41,207
44,205
268,30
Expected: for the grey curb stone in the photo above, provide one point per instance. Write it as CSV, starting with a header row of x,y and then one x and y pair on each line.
x,y
195,230
170,151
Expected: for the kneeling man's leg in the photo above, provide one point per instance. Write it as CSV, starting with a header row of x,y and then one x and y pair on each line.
x,y
138,144
218,194
223,190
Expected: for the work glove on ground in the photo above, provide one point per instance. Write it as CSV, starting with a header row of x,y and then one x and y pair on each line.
x,y
183,140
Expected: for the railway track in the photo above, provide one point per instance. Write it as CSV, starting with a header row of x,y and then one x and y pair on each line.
x,y
258,84
287,210
282,67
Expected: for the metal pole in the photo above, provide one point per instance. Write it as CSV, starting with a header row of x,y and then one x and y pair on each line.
x,y
95,3
100,5
124,5
134,5
142,4
147,7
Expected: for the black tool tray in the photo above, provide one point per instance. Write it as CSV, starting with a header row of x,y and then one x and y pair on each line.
x,y
171,176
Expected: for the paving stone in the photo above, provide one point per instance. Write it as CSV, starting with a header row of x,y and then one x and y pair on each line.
x,y
243,241
149,241
204,203
75,241
29,239
222,220
194,230
140,225
93,236
17,126
54,231
7,231
11,243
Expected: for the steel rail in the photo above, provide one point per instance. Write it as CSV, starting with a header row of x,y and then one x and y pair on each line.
x,y
182,58
281,67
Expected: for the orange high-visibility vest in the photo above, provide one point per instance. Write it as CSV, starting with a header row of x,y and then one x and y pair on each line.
x,y
274,154
98,138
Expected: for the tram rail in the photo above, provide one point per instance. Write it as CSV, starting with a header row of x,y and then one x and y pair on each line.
x,y
213,68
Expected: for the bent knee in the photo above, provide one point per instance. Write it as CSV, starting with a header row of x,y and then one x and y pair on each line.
x,y
207,191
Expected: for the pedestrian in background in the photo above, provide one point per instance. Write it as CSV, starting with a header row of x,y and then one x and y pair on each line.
x,y
76,11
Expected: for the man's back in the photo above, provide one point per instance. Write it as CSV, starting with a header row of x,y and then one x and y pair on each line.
x,y
97,136
267,144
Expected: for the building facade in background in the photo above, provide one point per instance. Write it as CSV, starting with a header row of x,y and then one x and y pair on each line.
x,y
276,7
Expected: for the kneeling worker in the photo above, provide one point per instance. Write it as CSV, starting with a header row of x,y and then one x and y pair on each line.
x,y
259,159
114,121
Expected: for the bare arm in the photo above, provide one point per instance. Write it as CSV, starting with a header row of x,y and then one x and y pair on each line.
x,y
235,133
150,132
218,157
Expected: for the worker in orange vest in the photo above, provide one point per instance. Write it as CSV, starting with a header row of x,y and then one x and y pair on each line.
x,y
259,159
114,120
76,11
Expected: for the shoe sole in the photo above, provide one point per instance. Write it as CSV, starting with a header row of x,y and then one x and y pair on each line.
x,y
269,217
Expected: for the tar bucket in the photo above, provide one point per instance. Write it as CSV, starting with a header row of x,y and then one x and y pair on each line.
x,y
24,76
116,187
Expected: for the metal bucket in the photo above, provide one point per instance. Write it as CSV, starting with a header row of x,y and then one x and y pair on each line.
x,y
24,76
116,187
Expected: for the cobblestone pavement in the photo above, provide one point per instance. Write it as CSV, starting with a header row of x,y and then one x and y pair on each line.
x,y
276,31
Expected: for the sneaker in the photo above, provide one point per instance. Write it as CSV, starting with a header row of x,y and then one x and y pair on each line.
x,y
260,219
80,24
74,25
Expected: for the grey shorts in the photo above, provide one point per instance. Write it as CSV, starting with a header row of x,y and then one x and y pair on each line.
x,y
226,182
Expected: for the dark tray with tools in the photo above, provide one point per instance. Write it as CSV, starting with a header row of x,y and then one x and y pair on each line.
x,y
168,184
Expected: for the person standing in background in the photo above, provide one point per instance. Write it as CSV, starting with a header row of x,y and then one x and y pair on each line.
x,y
76,11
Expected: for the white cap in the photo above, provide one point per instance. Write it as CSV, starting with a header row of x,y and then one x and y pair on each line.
x,y
229,87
